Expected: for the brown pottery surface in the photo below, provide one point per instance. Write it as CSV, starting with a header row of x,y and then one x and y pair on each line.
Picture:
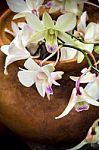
x,y
25,112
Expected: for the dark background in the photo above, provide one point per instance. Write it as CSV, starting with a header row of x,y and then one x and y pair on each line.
x,y
11,141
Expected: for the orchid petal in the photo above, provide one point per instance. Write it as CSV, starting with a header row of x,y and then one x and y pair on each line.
x,y
48,68
92,101
14,50
55,83
17,42
34,22
40,87
66,22
71,6
30,4
80,57
17,6
5,49
39,2
12,58
39,36
27,32
70,105
92,89
14,28
20,15
67,53
30,64
81,27
21,24
88,77
26,77
57,75
66,38
90,32
47,21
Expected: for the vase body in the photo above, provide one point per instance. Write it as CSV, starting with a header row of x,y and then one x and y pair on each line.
x,y
26,113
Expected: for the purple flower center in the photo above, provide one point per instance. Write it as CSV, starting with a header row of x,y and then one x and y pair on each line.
x,y
34,11
51,48
49,4
82,108
78,88
49,90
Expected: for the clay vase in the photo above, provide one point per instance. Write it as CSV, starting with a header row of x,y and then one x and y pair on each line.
x,y
32,117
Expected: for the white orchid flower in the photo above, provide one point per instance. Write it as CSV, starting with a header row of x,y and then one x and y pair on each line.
x,y
92,88
15,29
82,99
86,76
73,6
14,52
68,53
23,7
17,48
43,77
91,138
50,31
90,32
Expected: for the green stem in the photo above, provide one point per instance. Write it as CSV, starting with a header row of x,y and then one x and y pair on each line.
x,y
95,69
84,142
80,39
84,52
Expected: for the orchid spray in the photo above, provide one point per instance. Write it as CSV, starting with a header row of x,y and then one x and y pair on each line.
x,y
68,36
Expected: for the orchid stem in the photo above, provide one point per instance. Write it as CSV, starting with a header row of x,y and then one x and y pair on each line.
x,y
57,58
52,54
79,145
89,62
95,69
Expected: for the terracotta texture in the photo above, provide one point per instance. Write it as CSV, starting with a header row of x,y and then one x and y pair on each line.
x,y
29,115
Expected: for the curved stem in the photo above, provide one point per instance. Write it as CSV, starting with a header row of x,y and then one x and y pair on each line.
x,y
79,145
84,52
80,39
93,58
57,59
52,54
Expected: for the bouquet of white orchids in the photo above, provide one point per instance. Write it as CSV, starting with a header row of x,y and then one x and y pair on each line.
x,y
68,36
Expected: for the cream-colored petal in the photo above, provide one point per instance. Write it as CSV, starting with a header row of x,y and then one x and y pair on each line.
x,y
5,49
27,78
70,105
17,6
30,4
30,64
34,22
67,53
90,32
81,27
20,15
80,57
40,87
47,21
66,22
92,89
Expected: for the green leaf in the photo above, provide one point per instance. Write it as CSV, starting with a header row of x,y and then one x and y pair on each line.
x,y
96,49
